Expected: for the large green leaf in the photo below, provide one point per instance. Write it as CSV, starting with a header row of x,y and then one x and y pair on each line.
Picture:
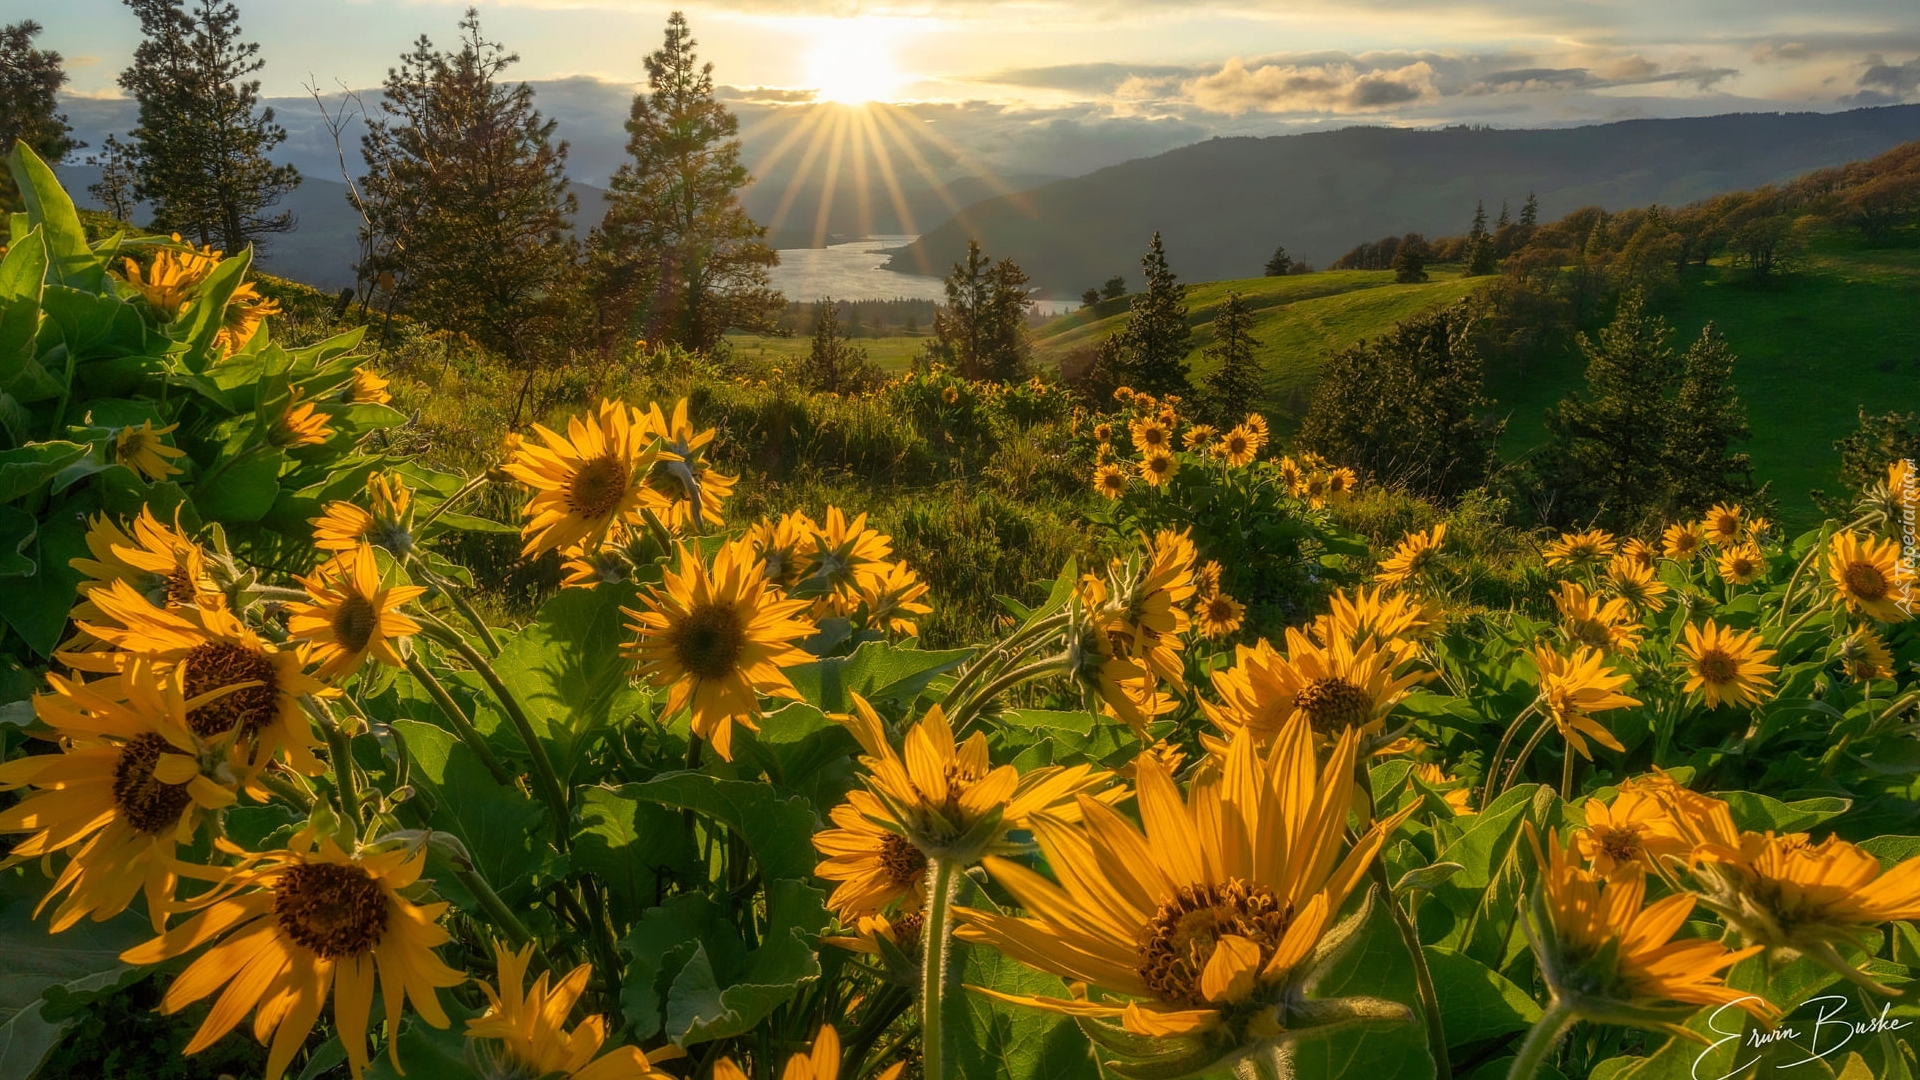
x,y
1763,812
73,262
778,829
567,670
1376,966
203,319
24,469
877,670
242,491
494,822
632,847
36,606
22,272
992,1040
1477,1002
17,531
32,962
97,327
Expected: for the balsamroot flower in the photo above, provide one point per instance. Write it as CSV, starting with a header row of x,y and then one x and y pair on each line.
x,y
523,1032
140,449
1727,665
587,480
1573,688
1415,555
1575,550
1870,577
351,615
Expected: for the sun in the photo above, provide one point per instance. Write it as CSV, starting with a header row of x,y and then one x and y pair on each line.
x,y
851,62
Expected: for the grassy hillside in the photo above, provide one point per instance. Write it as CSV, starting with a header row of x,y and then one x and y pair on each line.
x,y
891,354
1297,320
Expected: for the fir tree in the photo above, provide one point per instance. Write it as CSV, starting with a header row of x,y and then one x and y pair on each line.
x,y
1157,333
30,81
1479,243
118,173
1410,260
1610,439
1408,408
1114,289
982,331
1708,419
1089,298
1504,219
677,256
1530,211
1280,264
466,200
1234,384
834,364
203,138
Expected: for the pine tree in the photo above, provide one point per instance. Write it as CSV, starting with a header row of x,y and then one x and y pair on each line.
x,y
1280,264
203,138
1480,243
1089,298
677,255
1234,384
982,331
1530,211
1708,419
1610,439
1157,333
1408,408
118,172
834,364
1410,260
466,200
1114,289
30,81
1504,219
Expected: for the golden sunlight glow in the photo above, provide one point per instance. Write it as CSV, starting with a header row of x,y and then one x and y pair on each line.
x,y
851,62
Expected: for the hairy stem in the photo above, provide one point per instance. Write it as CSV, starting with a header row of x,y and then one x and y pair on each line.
x,y
1540,1041
942,876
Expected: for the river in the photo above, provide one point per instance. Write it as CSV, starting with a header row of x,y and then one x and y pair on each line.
x,y
856,271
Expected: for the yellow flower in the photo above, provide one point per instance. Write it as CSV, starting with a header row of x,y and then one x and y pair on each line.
x,y
1757,530
524,1030
876,865
1199,930
1219,616
140,449
1239,446
260,710
719,638
158,562
1639,551
300,425
1574,550
1158,467
131,785
893,596
1110,480
1393,621
585,481
245,312
367,387
781,546
351,616
1572,688
1727,665
1591,621
1206,580
950,395
821,1063
1682,542
1341,482
1416,552
172,279
694,490
1741,564
1257,424
1863,653
1632,580
1103,432
845,555
1150,436
1144,614
298,926
1458,798
1603,947
1722,524
1636,830
342,526
1292,478
1197,436
1870,577
1335,687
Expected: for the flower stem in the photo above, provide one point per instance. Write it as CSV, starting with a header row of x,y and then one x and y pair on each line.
x,y
1540,1041
1410,938
966,711
343,783
461,725
1499,752
942,876
466,489
451,590
497,910
1520,759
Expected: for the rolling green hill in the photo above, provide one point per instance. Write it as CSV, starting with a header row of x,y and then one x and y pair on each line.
x,y
1297,320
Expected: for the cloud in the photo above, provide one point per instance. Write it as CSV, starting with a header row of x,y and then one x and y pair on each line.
x,y
1322,88
1626,71
1886,84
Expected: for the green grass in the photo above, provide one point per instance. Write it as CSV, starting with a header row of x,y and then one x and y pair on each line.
x,y
1813,348
891,354
1298,321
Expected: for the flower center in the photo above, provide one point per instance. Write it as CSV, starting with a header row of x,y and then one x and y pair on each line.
x,y
903,862
132,445
332,909
1620,845
1334,705
1176,945
1865,581
1717,667
218,664
354,622
1590,632
598,486
149,805
182,589
710,641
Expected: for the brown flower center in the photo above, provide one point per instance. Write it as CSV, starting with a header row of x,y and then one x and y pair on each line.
x,y
132,444
354,622
182,589
1220,609
147,804
1718,668
709,643
1176,945
1334,705
598,486
906,931
333,909
1620,845
1865,581
219,664
1590,632
903,862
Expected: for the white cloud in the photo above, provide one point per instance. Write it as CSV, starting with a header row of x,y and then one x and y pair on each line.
x,y
1322,88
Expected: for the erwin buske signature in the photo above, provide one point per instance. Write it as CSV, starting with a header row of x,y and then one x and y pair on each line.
x,y
1828,1033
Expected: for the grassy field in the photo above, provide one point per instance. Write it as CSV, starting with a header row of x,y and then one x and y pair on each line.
x,y
891,354
1297,320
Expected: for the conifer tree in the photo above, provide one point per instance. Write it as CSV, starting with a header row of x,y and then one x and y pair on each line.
x,y
1157,333
30,81
1408,408
1480,243
1530,211
203,137
834,364
677,256
1505,219
118,173
1410,260
1280,264
1702,467
466,199
982,331
1114,289
1610,439
1234,384
1089,298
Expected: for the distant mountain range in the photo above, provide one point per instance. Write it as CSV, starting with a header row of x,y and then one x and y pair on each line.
x,y
1222,205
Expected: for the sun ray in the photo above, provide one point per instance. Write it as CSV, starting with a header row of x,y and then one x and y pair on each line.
x,y
799,180
968,162
862,187
883,160
830,183
787,142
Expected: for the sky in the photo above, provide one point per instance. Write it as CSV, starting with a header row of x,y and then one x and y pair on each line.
x,y
1057,87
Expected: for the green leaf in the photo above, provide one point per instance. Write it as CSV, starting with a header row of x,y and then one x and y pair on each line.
x,y
21,273
877,671
992,1040
1763,812
661,944
778,829
1477,1002
494,822
25,469
629,846
17,531
209,309
37,605
709,1003
32,962
567,670
427,1053
1376,966
49,208
243,491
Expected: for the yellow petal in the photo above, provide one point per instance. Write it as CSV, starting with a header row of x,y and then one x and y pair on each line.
x,y
1230,971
